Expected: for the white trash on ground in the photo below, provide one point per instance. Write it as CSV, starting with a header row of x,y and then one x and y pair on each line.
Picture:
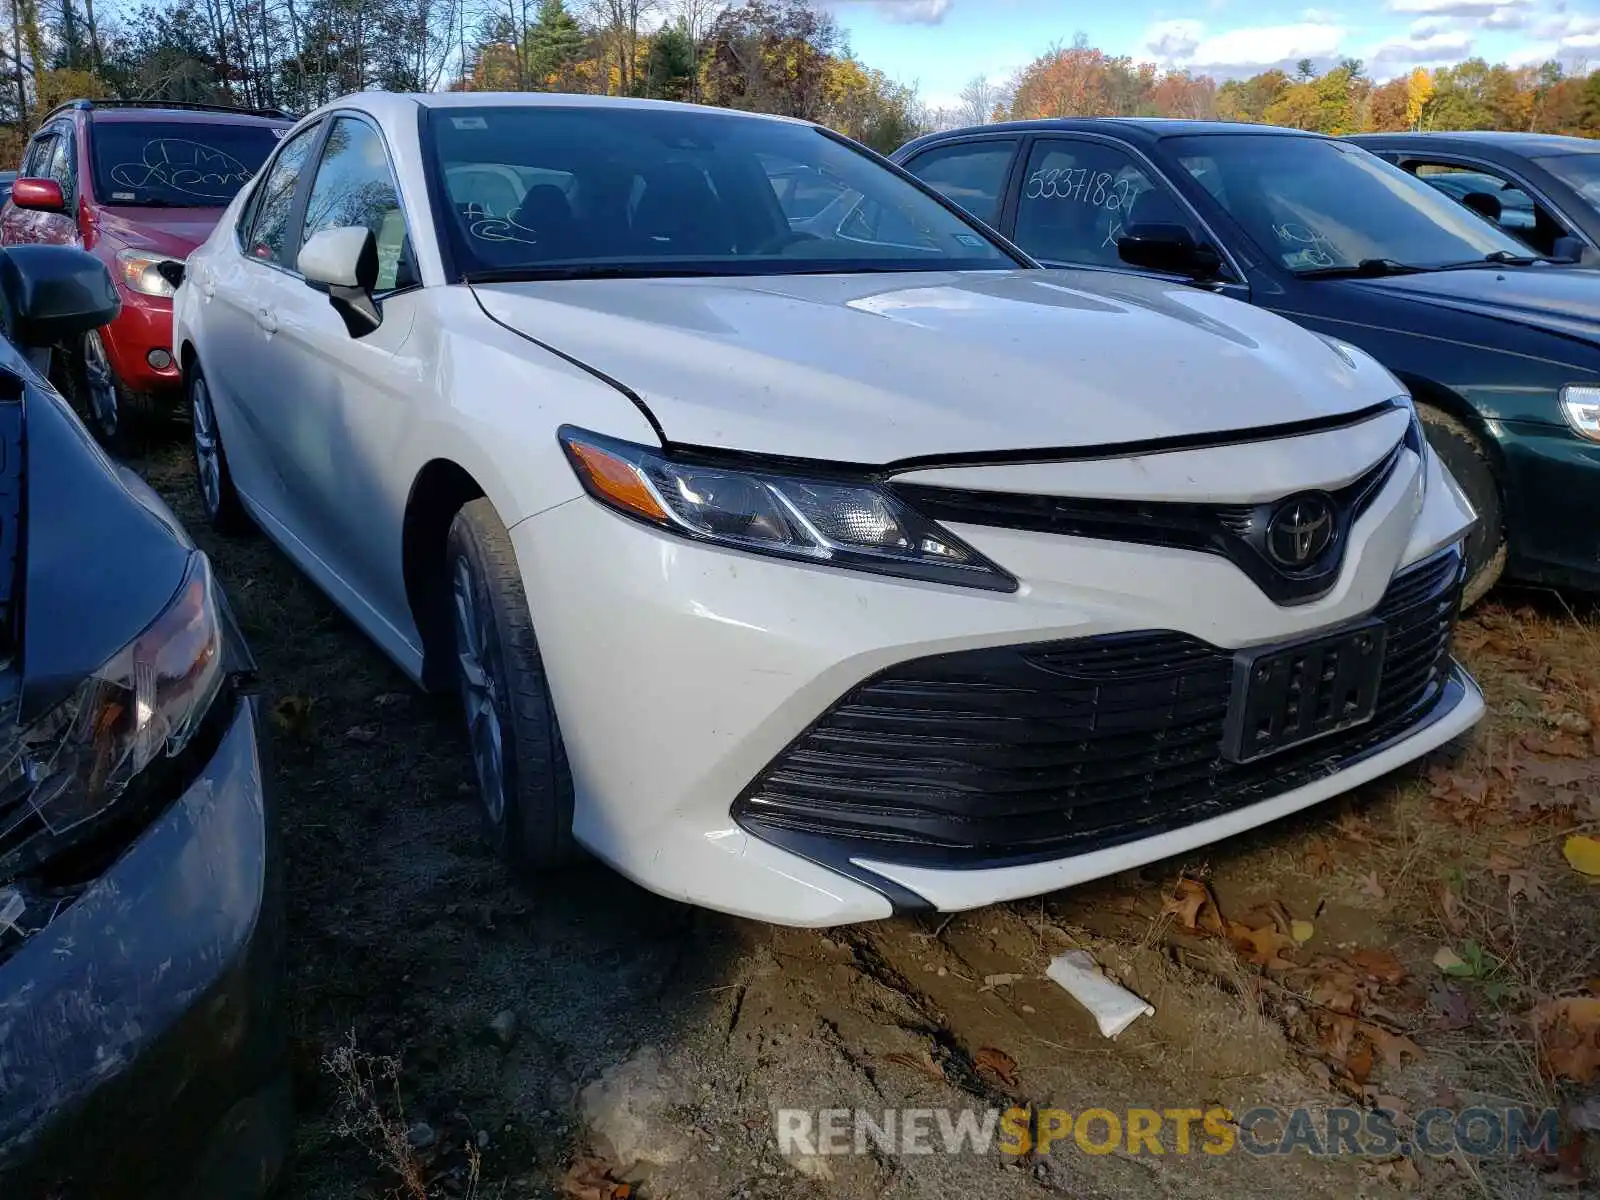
x,y
1113,1007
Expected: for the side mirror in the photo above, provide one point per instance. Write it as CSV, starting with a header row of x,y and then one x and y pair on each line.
x,y
344,263
52,294
1169,249
41,195
1568,249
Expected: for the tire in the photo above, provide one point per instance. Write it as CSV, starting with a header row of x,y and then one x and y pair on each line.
x,y
219,499
116,414
1465,457
523,779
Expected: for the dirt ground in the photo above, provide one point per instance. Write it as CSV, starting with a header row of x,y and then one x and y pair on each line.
x,y
1423,942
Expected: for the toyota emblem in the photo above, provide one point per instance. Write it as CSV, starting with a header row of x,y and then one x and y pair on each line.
x,y
1300,530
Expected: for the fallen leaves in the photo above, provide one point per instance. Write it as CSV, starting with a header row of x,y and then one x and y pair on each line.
x,y
1261,947
590,1179
998,1063
922,1062
1302,932
1568,1030
1379,965
1452,1007
1189,900
1520,880
1451,963
1583,852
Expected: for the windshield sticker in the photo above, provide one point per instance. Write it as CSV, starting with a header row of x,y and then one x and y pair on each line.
x,y
184,166
124,195
971,240
469,122
1081,186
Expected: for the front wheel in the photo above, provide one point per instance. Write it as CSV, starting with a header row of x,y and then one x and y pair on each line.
x,y
115,413
1468,462
523,778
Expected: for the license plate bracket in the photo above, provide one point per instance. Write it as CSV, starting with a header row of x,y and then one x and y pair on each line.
x,y
1285,696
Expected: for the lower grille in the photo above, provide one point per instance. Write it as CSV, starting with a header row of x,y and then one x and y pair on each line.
x,y
1023,753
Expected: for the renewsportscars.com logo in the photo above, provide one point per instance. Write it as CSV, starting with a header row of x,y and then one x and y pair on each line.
x,y
1480,1132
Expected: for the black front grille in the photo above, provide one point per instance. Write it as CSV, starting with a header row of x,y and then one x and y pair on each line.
x,y
1023,753
1236,532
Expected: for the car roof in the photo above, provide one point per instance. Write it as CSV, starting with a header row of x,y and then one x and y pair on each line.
x,y
1473,139
397,105
1141,129
182,116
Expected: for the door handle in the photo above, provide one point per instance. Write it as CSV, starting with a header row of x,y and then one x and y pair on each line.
x,y
267,319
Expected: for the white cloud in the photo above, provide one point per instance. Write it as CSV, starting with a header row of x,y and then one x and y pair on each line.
x,y
1320,16
908,12
1434,46
1262,46
1455,8
1505,18
1173,39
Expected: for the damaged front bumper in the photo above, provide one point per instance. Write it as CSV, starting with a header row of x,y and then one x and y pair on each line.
x,y
142,1043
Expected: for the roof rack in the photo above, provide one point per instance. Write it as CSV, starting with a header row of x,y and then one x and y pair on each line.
x,y
87,105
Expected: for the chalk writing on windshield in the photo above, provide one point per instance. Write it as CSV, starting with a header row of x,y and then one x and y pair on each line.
x,y
184,166
1303,247
499,229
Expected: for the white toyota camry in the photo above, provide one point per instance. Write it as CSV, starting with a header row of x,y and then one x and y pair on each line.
x,y
797,547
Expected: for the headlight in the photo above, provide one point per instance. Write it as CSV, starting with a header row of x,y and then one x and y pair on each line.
x,y
1580,404
840,523
146,702
141,271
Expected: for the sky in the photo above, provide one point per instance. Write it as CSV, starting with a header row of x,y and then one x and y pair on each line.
x,y
942,44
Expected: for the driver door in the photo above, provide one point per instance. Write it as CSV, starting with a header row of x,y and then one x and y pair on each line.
x,y
343,404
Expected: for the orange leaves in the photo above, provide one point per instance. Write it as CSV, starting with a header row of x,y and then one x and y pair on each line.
x,y
1261,946
1190,897
590,1179
1568,1030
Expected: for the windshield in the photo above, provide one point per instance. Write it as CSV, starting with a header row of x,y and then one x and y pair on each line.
x,y
1580,172
1319,205
187,164
549,191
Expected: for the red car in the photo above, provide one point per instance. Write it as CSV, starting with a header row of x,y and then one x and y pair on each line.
x,y
139,184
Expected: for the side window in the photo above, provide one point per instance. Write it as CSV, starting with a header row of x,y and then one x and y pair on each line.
x,y
972,175
1078,197
1494,197
60,166
274,203
35,165
354,187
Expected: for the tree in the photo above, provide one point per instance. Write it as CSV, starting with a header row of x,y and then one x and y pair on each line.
x,y
555,42
1419,90
670,70
978,101
770,56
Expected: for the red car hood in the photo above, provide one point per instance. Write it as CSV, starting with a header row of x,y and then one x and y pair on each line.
x,y
174,231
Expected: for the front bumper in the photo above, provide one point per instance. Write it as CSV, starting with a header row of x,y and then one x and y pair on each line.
x,y
681,672
143,325
1554,536
142,1043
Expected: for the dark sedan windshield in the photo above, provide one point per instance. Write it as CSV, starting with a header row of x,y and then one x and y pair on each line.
x,y
568,192
1319,205
1580,172
185,164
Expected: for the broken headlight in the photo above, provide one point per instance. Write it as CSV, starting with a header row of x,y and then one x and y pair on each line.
x,y
146,703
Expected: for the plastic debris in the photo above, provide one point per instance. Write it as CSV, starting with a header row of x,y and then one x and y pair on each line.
x,y
1113,1007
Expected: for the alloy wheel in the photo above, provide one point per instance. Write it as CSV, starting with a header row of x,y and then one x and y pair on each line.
x,y
101,387
207,452
479,689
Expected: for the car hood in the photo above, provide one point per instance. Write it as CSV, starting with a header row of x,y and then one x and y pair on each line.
x,y
877,368
174,231
1562,300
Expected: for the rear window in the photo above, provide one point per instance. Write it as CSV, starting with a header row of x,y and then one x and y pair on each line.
x,y
186,164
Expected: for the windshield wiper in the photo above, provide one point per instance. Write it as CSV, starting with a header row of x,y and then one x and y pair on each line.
x,y
1495,258
1367,268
